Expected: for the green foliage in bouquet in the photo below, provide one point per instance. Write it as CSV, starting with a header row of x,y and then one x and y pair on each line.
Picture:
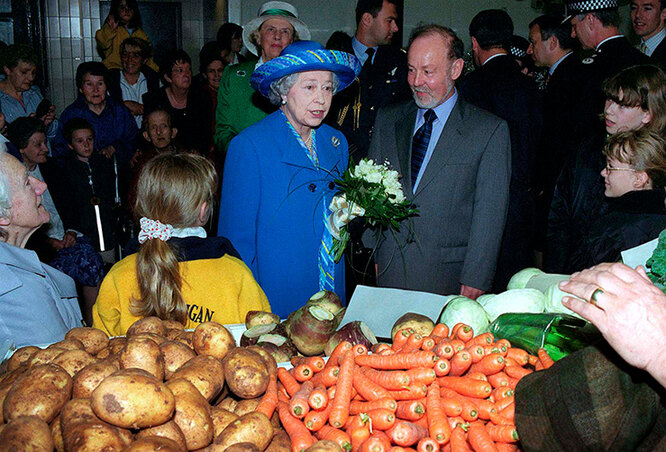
x,y
657,263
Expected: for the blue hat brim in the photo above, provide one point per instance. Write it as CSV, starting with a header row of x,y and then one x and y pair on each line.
x,y
283,65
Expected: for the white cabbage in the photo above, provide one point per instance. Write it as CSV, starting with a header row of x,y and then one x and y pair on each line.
x,y
462,309
515,300
520,279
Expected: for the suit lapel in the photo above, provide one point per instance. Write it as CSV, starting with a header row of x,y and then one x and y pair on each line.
x,y
403,136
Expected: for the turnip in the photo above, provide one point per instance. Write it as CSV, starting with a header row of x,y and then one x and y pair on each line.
x,y
280,347
310,328
418,322
355,332
327,300
254,318
251,335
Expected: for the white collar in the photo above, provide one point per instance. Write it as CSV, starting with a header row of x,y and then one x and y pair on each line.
x,y
607,39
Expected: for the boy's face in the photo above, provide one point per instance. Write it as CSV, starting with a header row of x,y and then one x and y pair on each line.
x,y
159,131
83,142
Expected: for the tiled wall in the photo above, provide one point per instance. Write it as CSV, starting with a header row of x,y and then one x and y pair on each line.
x,y
70,36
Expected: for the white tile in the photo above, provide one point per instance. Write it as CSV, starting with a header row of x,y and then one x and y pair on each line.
x,y
55,68
51,8
88,50
94,10
66,49
85,9
77,49
67,71
74,10
64,27
86,27
75,27
63,8
95,25
54,48
53,30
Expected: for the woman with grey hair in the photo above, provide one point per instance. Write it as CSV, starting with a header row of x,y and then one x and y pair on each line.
x,y
38,304
279,177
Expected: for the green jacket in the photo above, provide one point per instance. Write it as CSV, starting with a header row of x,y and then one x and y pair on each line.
x,y
238,104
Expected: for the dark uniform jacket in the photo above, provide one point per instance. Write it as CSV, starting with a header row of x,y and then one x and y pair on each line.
x,y
354,109
500,88
659,54
631,220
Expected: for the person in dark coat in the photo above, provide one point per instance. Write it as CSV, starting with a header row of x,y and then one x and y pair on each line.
x,y
647,18
498,86
634,100
634,176
383,79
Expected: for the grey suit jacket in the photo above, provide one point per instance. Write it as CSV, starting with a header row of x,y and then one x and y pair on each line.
x,y
462,197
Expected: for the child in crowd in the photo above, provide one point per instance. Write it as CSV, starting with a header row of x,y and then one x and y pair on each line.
x,y
178,272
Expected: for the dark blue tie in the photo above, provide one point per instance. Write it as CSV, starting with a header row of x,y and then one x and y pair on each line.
x,y
420,143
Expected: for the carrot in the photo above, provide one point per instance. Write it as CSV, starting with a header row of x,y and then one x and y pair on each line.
x,y
503,342
400,338
356,406
511,362
398,361
538,366
477,376
413,343
410,410
300,436
316,419
318,398
469,412
360,349
457,421
410,393
519,355
377,442
367,388
427,445
484,407
451,406
544,357
298,405
358,430
444,349
386,352
382,419
480,439
498,419
465,333
532,360
405,433
337,353
380,347
466,386
489,365
513,382
442,367
457,345
482,339
336,435
288,381
454,330
302,372
488,349
316,363
502,392
459,440
269,400
516,371
402,449
498,380
506,447
326,377
509,412
438,424
343,392
504,402
421,375
503,433
460,363
388,379
428,343
476,352
441,330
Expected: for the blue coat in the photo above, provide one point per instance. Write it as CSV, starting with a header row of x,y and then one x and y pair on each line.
x,y
272,207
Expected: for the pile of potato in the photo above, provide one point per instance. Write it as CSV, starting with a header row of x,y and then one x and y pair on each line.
x,y
158,388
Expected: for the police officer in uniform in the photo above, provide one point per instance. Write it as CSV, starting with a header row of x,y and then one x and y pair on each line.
x,y
383,79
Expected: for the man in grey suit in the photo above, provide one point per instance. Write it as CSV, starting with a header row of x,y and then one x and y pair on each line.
x,y
455,164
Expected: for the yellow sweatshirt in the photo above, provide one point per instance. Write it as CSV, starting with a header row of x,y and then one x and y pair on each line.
x,y
222,290
108,43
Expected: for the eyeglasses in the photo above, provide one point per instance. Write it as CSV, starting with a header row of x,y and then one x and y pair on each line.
x,y
610,168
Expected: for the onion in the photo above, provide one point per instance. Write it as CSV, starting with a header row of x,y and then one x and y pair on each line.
x,y
310,328
355,332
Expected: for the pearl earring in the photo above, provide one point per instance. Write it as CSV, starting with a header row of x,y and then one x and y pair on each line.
x,y
284,102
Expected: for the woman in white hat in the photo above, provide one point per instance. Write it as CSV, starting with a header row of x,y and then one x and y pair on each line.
x,y
238,105
279,177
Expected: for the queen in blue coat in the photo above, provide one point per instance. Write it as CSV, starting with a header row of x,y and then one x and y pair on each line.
x,y
279,177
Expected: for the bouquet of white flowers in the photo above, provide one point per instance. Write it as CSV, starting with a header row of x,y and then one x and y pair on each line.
x,y
370,190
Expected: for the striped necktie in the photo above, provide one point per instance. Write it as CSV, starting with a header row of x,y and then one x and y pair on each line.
x,y
643,47
420,143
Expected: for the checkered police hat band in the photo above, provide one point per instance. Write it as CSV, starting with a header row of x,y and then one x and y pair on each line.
x,y
590,5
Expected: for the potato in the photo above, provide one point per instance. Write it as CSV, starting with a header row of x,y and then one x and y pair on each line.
x,y
325,445
205,372
133,400
117,343
221,418
172,334
254,428
186,338
77,411
271,364
175,355
56,434
228,403
152,444
280,442
26,433
21,356
74,360
173,325
192,414
152,336
142,353
246,406
69,344
167,430
93,437
6,385
93,339
211,338
246,373
88,378
41,391
45,356
147,325
242,447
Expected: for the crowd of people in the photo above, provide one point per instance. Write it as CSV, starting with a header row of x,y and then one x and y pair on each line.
x,y
199,198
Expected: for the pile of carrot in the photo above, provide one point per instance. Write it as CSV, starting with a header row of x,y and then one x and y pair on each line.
x,y
448,391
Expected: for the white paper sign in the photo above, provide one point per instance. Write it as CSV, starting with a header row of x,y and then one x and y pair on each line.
x,y
639,255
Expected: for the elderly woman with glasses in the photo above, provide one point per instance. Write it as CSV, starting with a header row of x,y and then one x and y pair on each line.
x,y
38,304
279,177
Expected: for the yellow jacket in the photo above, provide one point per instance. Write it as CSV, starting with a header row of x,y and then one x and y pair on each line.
x,y
108,43
222,290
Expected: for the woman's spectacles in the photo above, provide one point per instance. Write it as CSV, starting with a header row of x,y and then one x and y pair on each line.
x,y
610,168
